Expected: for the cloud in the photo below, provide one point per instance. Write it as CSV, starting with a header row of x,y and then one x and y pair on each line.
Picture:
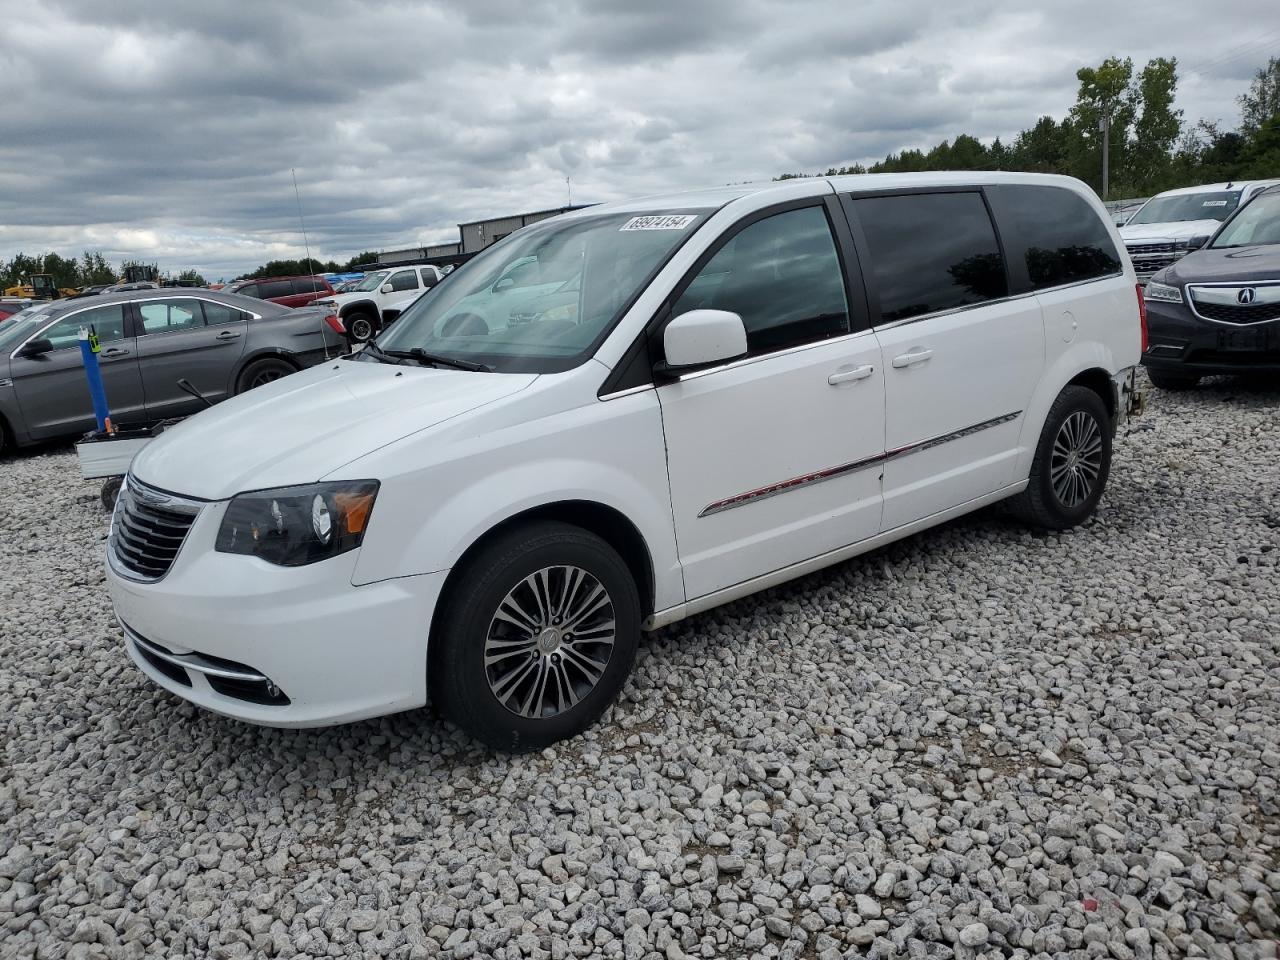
x,y
169,130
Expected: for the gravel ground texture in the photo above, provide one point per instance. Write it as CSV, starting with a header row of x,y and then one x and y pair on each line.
x,y
981,741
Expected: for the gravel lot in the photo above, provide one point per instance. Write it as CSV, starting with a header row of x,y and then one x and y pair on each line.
x,y
977,742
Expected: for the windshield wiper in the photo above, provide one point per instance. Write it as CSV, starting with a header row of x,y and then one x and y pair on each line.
x,y
436,360
373,350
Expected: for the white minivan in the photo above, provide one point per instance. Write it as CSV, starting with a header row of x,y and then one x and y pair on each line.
x,y
698,396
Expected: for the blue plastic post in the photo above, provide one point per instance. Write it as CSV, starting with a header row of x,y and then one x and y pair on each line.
x,y
89,348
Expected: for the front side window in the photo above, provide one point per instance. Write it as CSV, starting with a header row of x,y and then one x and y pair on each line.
x,y
1258,222
1188,206
541,300
404,280
782,276
168,316
1064,239
107,321
248,290
931,252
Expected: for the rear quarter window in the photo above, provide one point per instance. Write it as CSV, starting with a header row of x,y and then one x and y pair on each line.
x,y
275,288
1060,236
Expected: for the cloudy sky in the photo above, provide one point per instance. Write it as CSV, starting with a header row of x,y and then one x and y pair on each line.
x,y
167,130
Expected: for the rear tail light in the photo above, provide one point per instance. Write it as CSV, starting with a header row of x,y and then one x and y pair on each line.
x,y
336,325
1142,316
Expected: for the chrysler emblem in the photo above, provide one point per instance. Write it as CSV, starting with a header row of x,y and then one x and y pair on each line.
x,y
1246,295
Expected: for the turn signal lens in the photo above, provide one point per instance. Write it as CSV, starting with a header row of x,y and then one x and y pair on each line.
x,y
354,508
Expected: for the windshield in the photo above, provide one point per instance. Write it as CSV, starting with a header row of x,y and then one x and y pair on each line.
x,y
1257,222
1188,206
371,281
21,325
541,300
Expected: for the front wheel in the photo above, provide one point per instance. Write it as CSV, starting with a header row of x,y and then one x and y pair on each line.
x,y
536,638
1071,465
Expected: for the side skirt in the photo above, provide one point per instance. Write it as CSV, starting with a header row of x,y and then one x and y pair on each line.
x,y
711,600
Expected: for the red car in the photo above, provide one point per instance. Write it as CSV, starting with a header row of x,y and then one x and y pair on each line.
x,y
9,307
286,291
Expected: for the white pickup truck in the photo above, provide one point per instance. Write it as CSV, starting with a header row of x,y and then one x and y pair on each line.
x,y
1168,226
363,308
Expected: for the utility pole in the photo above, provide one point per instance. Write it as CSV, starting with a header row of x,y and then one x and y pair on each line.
x,y
1104,125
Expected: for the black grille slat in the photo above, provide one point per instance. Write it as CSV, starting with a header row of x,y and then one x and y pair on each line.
x,y
1238,313
146,538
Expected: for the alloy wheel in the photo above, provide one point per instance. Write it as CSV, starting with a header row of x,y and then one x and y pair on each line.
x,y
266,376
1076,461
549,641
361,329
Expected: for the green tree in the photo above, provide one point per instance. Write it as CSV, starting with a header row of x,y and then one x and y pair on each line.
x,y
1261,158
94,269
1106,90
191,277
1262,101
1156,128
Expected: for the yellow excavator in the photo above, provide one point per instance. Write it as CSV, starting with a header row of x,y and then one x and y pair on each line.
x,y
40,286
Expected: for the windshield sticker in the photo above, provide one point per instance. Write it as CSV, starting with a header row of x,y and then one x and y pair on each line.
x,y
668,222
1215,203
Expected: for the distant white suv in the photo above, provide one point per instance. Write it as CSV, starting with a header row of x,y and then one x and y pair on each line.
x,y
379,297
694,398
1172,224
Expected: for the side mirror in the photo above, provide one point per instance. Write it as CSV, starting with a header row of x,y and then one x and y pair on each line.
x,y
36,348
702,337
387,288
1195,243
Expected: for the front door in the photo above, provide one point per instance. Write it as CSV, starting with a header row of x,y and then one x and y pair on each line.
x,y
775,458
52,390
961,358
187,338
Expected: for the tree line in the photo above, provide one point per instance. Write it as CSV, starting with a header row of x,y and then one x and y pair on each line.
x,y
90,269
1151,147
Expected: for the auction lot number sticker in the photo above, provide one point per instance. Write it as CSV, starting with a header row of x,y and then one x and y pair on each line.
x,y
677,221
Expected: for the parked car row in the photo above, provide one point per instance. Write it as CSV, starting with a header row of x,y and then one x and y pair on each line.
x,y
223,344
616,418
1217,310
1172,224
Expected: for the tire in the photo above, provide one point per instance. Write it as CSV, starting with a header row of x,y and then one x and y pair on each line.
x,y
1063,490
1172,381
361,327
261,372
492,613
110,491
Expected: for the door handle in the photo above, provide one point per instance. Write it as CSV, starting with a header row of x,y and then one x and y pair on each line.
x,y
114,353
911,358
228,335
848,376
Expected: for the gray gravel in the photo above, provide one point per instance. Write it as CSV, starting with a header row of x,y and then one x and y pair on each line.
x,y
979,742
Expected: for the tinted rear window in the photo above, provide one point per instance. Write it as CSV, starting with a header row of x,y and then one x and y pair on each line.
x,y
275,288
1062,237
931,252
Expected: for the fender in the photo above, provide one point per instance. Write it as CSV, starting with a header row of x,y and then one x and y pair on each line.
x,y
612,455
359,306
1077,359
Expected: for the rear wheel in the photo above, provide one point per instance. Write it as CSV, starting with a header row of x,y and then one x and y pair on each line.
x,y
1071,465
360,327
536,638
1172,381
262,372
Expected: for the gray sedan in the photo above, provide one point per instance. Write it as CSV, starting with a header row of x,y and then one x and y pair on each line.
x,y
222,343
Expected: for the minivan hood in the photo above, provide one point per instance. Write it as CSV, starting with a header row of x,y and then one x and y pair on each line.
x,y
1178,230
1251,264
304,426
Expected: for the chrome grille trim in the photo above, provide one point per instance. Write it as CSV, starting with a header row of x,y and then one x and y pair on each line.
x,y
192,661
1220,302
148,529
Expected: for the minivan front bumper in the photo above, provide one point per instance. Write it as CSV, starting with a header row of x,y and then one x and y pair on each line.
x,y
278,646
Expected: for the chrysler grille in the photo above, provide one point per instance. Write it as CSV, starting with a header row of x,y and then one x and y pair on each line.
x,y
148,528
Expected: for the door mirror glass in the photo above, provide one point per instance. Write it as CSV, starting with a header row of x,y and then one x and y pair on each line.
x,y
701,337
385,288
35,348
1195,243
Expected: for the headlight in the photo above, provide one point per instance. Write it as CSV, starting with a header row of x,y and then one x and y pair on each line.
x,y
1162,291
293,526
